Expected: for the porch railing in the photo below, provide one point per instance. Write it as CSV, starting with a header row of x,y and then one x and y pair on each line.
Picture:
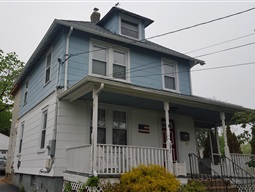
x,y
79,159
114,159
241,160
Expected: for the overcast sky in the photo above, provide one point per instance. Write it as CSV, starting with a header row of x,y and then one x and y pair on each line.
x,y
23,25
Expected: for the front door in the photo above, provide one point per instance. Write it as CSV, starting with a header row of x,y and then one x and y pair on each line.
x,y
172,136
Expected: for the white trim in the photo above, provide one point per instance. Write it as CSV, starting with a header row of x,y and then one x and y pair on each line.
x,y
176,76
43,111
110,48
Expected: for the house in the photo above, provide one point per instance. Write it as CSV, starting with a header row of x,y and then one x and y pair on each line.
x,y
4,141
97,98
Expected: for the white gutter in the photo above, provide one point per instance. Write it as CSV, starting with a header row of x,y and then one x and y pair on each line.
x,y
67,52
94,127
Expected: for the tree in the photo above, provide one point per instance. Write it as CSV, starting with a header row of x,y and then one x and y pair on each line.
x,y
246,118
233,143
10,68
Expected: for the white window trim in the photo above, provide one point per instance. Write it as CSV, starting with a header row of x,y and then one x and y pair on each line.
x,y
109,59
44,110
26,91
21,137
132,20
172,62
45,66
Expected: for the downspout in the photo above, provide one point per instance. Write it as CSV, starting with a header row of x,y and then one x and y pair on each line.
x,y
66,59
168,139
94,127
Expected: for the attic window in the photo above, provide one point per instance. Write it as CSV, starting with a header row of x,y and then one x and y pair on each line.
x,y
130,29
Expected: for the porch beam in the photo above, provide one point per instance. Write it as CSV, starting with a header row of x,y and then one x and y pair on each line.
x,y
168,139
94,128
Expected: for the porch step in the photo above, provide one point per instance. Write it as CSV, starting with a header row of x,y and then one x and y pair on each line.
x,y
218,185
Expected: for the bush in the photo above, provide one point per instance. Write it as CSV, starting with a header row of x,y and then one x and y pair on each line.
x,y
152,178
193,186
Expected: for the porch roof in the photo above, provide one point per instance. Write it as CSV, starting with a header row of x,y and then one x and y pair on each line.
x,y
126,94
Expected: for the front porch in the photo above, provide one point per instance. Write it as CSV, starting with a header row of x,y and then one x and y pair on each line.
x,y
113,160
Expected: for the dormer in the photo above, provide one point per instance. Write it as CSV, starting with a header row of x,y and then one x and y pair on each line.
x,y
125,23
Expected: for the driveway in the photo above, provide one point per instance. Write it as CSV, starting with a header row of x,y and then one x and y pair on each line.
x,y
6,186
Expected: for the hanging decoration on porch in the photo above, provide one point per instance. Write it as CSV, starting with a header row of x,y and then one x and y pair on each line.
x,y
143,128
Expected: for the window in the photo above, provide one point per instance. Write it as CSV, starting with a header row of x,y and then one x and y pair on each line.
x,y
119,65
109,61
99,60
130,29
47,68
21,136
101,126
44,126
170,75
26,90
119,128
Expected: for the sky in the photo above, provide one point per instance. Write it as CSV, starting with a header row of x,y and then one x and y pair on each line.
x,y
24,23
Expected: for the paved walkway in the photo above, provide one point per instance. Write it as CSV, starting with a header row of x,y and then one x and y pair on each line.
x,y
6,186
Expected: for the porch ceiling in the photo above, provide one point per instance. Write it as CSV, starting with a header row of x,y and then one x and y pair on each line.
x,y
124,94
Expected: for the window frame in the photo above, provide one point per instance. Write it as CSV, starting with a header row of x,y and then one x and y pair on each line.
x,y
175,76
110,48
46,81
21,138
125,129
44,125
133,21
26,91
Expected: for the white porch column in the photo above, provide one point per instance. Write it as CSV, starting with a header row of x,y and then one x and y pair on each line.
x,y
94,128
168,139
226,148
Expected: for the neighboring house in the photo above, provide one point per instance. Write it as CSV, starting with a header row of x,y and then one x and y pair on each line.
x,y
4,141
98,98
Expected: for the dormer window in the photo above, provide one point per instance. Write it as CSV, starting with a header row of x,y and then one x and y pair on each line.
x,y
129,29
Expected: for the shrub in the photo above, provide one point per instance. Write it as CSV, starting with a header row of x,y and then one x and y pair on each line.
x,y
152,178
92,182
193,186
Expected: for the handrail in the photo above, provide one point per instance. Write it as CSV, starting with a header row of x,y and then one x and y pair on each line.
x,y
240,176
203,172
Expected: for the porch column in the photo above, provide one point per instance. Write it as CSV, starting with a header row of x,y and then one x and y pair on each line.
x,y
168,139
94,128
226,148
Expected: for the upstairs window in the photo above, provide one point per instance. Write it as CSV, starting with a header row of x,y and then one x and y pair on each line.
x,y
130,29
26,91
109,61
99,61
48,68
170,80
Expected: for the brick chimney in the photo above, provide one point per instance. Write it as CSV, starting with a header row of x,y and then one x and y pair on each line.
x,y
95,16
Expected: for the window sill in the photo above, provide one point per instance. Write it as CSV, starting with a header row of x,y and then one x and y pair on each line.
x,y
18,155
47,83
110,78
171,90
40,151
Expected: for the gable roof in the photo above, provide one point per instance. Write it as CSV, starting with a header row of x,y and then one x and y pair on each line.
x,y
94,29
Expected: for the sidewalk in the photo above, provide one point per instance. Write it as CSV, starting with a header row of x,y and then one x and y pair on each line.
x,y
6,186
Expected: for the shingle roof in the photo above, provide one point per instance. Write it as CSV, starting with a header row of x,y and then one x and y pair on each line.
x,y
98,30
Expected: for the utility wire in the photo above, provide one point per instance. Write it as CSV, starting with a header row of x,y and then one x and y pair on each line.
x,y
203,23
220,43
223,50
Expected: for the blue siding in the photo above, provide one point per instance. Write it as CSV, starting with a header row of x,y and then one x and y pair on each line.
x,y
113,24
145,69
184,77
78,65
37,90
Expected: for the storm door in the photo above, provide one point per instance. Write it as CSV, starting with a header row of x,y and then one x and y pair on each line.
x,y
207,146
